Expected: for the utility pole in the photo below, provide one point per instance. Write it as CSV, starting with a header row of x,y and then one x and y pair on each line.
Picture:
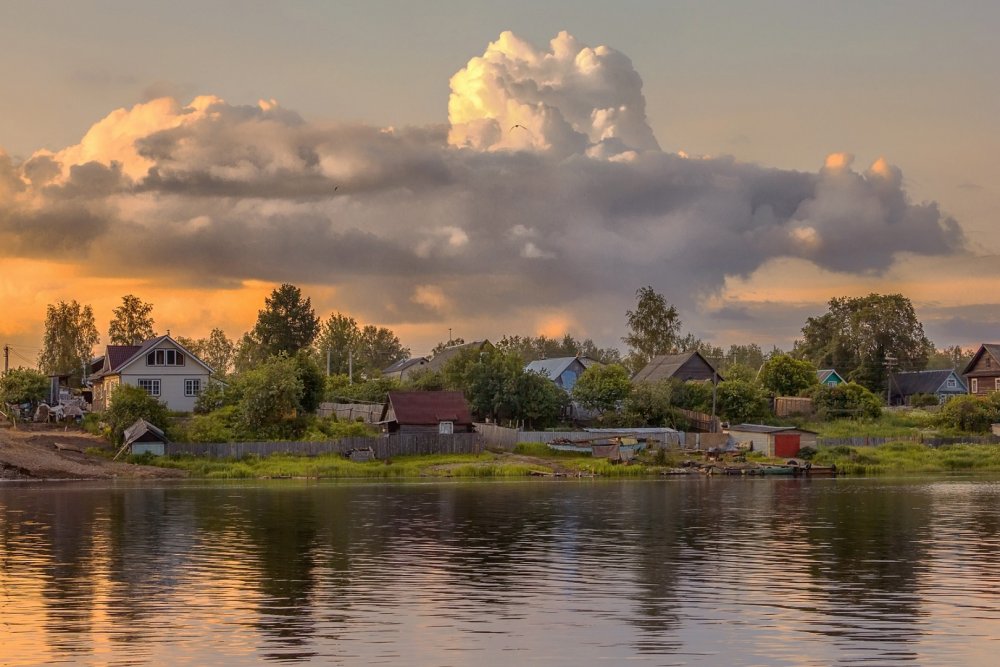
x,y
6,359
890,361
350,366
328,362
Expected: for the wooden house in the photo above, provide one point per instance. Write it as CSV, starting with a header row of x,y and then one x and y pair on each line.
x,y
944,384
685,366
438,361
404,368
983,371
829,377
443,412
781,441
564,371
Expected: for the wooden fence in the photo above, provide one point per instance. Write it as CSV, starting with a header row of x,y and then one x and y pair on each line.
x,y
366,412
384,447
699,421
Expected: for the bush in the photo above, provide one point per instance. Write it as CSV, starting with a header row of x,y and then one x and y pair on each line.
x,y
217,426
130,403
23,385
847,399
923,400
972,414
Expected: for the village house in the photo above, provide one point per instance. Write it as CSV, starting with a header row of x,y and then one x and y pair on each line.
x,y
983,370
829,377
404,368
685,366
563,371
944,384
161,366
438,361
443,412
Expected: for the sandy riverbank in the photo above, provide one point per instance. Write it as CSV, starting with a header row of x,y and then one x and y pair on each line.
x,y
44,451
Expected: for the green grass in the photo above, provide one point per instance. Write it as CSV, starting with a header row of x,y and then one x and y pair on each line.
x,y
910,457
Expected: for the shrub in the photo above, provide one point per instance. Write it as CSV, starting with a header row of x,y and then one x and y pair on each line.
x,y
923,400
23,385
973,414
130,403
847,399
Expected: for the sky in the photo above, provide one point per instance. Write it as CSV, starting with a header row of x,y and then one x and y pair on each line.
x,y
500,168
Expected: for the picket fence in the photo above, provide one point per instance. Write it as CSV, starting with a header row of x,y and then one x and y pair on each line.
x,y
397,444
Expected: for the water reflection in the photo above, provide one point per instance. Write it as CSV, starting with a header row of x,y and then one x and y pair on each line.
x,y
702,571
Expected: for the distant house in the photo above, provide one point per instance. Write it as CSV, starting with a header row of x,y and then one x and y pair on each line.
x,y
829,377
441,412
438,361
944,384
983,371
564,371
161,366
780,441
685,366
404,368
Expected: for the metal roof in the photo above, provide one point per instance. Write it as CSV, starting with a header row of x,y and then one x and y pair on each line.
x,y
422,408
551,368
924,382
140,428
764,428
666,366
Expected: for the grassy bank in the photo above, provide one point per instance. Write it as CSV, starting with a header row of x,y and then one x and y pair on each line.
x,y
332,466
537,459
911,457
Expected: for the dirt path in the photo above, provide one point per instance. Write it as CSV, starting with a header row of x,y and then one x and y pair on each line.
x,y
42,451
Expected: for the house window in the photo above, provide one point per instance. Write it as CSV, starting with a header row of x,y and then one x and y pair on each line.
x,y
192,386
446,428
996,384
152,387
974,386
165,358
952,383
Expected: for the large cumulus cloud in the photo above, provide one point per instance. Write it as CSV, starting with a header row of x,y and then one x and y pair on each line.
x,y
548,187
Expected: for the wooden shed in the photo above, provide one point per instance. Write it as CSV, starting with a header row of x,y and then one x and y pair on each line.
x,y
780,441
442,412
142,437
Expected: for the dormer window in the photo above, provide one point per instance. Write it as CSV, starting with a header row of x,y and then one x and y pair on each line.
x,y
165,358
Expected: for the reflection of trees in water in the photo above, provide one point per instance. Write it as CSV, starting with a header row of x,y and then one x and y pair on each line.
x,y
148,542
869,546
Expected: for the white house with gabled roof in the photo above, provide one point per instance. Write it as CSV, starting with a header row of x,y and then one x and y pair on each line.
x,y
161,366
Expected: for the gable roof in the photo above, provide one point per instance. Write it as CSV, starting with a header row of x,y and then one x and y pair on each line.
x,y
437,362
666,366
403,364
141,428
118,357
992,349
552,368
924,382
429,408
824,374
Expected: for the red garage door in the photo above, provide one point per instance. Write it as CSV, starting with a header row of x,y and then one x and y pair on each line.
x,y
786,445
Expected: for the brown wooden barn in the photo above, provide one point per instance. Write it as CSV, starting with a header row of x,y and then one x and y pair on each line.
x,y
443,412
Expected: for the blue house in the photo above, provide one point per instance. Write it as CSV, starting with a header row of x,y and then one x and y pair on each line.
x,y
829,377
564,371
943,384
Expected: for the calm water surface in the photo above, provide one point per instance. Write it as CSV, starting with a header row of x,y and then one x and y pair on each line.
x,y
659,572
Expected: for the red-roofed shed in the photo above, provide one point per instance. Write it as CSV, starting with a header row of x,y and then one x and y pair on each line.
x,y
427,412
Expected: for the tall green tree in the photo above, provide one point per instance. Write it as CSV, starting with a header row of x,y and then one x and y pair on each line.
x,y
338,335
287,323
366,350
603,388
654,328
132,323
217,350
23,385
783,375
70,337
857,334
542,347
740,401
378,348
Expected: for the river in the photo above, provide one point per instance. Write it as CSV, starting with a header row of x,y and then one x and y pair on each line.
x,y
705,571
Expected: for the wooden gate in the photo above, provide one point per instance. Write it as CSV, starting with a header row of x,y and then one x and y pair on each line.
x,y
786,445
